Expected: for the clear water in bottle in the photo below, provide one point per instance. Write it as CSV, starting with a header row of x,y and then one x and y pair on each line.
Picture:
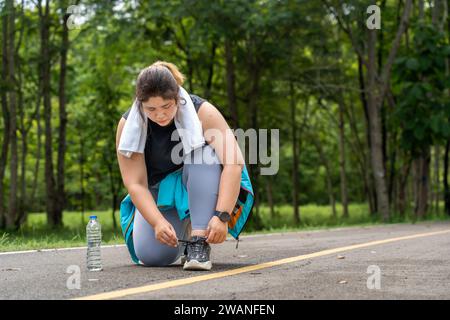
x,y
94,239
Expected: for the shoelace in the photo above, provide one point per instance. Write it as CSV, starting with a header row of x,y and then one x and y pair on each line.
x,y
189,241
186,241
196,245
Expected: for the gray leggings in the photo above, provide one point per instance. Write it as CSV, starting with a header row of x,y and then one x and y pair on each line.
x,y
202,180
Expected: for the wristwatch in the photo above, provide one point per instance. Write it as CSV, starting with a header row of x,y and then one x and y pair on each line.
x,y
222,215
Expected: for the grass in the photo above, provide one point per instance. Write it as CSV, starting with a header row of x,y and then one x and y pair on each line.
x,y
315,217
34,234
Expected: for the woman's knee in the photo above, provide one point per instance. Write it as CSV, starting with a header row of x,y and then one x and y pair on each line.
x,y
205,170
157,258
204,155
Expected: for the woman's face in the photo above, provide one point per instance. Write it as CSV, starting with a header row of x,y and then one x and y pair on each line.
x,y
159,110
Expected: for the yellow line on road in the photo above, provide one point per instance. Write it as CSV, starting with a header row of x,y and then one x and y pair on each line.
x,y
210,276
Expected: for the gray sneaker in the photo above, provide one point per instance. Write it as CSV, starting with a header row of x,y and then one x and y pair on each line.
x,y
197,254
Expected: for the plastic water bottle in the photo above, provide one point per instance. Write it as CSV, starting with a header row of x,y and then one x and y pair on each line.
x,y
94,239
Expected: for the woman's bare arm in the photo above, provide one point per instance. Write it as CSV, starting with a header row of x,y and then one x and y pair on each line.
x,y
134,176
221,138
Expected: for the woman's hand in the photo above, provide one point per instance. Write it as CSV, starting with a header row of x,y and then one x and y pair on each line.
x,y
165,233
216,231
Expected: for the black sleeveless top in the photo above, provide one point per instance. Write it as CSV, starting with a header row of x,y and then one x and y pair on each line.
x,y
158,147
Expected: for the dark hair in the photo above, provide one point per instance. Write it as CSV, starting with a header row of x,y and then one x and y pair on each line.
x,y
161,79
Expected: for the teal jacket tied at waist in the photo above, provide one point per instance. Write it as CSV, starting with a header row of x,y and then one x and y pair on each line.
x,y
173,194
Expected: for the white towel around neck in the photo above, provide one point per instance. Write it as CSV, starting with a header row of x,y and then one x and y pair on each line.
x,y
134,133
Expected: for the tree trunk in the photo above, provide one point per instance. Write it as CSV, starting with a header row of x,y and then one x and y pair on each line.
x,y
363,167
447,146
189,60
392,175
231,83
446,184
370,187
210,71
38,134
325,163
447,8
376,151
435,12
438,8
23,207
295,183
437,151
402,188
114,204
81,159
54,219
6,118
12,206
422,168
38,145
254,68
23,204
60,197
371,193
269,192
377,89
114,192
420,6
344,193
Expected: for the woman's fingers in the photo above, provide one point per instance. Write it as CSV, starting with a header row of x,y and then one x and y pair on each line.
x,y
164,239
174,234
212,237
172,238
215,237
168,236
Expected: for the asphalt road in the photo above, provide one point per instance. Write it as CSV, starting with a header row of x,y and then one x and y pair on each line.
x,y
400,261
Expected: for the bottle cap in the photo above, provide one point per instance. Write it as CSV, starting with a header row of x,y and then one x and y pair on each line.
x,y
92,217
